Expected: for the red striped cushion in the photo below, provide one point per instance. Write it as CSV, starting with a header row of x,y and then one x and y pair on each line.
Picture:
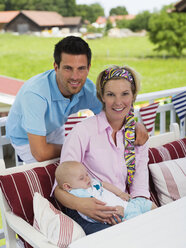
x,y
71,123
57,227
172,150
19,198
169,178
169,151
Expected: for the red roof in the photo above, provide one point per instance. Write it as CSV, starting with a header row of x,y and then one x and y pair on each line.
x,y
7,16
101,20
10,86
41,18
74,20
44,18
121,17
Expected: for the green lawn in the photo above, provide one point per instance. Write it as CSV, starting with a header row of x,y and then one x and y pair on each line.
x,y
2,242
24,56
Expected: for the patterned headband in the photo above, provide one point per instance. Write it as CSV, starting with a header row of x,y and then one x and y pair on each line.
x,y
116,73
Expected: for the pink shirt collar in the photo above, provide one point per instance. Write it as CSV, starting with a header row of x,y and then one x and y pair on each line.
x,y
103,123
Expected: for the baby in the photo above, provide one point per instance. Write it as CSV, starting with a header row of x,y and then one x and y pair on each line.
x,y
72,176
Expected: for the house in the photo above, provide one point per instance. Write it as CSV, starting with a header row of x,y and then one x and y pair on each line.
x,y
114,19
180,6
34,21
6,17
101,21
74,23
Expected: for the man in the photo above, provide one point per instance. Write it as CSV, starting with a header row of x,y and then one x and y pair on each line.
x,y
43,104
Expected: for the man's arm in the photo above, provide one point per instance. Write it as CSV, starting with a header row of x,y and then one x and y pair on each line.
x,y
141,134
41,150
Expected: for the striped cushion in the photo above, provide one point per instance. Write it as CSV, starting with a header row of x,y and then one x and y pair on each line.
x,y
172,150
169,178
59,229
19,198
71,123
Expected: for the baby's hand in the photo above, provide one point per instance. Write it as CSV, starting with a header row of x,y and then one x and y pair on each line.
x,y
124,196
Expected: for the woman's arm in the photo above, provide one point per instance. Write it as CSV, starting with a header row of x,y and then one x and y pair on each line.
x,y
140,184
90,207
115,190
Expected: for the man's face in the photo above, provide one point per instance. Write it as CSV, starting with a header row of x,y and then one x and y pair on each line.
x,y
72,73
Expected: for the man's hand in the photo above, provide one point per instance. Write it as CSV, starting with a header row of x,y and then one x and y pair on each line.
x,y
96,209
141,134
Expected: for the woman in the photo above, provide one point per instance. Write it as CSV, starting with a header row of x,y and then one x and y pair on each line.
x,y
105,145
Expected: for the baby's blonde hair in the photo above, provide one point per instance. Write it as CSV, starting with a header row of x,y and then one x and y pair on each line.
x,y
64,172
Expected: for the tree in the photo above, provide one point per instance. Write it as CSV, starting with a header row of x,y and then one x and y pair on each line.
x,y
89,12
64,7
82,10
95,11
120,10
123,23
140,22
168,32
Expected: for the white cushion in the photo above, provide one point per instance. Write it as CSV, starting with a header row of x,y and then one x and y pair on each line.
x,y
169,178
57,227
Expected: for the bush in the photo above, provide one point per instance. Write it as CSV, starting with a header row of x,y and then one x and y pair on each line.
x,y
168,32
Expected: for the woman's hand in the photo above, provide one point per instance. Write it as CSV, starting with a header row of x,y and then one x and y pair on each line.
x,y
96,209
117,217
90,207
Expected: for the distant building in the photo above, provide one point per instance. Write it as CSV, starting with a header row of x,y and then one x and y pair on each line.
x,y
114,19
180,6
33,21
101,21
74,23
7,16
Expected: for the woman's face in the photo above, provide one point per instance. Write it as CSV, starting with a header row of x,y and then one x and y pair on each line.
x,y
118,99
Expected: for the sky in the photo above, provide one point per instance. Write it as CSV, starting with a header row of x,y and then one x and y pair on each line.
x,y
133,6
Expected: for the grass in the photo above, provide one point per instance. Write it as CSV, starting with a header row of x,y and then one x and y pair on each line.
x,y
2,241
25,56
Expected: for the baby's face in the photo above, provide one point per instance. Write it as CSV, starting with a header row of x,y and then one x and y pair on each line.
x,y
80,179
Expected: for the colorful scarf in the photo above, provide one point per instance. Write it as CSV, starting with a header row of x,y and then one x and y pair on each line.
x,y
129,139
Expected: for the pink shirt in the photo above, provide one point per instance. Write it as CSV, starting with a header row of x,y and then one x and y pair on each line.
x,y
90,142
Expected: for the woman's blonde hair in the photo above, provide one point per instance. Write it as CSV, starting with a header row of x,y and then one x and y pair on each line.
x,y
135,85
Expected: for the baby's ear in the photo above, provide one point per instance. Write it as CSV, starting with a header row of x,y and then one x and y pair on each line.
x,y
66,187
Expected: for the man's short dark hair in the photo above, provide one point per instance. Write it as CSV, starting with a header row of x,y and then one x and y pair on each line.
x,y
72,45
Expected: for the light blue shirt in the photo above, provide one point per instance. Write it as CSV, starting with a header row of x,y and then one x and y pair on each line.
x,y
40,108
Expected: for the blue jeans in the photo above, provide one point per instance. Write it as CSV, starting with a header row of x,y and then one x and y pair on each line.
x,y
87,226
